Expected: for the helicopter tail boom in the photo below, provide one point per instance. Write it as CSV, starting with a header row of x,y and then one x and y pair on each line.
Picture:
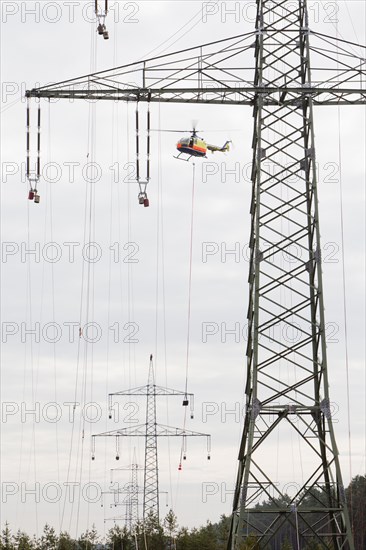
x,y
222,149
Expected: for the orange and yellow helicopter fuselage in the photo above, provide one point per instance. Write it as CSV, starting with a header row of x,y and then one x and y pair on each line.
x,y
194,147
197,147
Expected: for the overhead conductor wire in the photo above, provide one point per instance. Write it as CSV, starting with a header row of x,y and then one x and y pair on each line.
x,y
111,219
87,214
345,312
89,309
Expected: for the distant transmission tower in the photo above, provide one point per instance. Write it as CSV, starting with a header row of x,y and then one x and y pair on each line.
x,y
151,431
132,501
287,390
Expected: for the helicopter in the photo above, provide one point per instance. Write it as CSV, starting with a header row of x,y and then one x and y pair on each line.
x,y
195,146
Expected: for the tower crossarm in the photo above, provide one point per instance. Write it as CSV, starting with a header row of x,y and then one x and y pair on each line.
x,y
161,431
156,390
221,72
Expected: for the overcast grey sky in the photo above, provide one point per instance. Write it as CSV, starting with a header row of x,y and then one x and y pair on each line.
x,y
45,42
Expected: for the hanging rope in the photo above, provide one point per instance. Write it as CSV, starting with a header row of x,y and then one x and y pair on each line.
x,y
190,282
185,402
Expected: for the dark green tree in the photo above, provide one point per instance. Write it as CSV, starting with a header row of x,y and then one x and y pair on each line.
x,y
251,543
89,539
120,539
153,532
6,538
356,499
223,529
22,541
65,542
48,540
171,527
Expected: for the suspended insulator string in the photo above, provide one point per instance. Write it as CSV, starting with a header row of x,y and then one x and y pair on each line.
x,y
105,7
143,184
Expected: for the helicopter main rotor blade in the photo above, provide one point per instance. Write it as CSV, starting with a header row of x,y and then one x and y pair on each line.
x,y
174,131
216,130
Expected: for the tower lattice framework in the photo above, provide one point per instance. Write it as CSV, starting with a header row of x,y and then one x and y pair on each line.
x,y
287,380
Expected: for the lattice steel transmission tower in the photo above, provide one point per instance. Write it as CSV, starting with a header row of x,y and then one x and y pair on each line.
x,y
133,491
287,378
287,396
151,431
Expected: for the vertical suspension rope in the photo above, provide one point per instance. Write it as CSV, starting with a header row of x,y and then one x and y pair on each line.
x,y
190,283
39,143
28,139
137,144
148,144
182,453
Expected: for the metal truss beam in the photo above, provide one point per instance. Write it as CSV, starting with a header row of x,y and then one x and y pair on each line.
x,y
216,96
221,72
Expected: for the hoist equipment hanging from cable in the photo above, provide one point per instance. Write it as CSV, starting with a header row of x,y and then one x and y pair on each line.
x,y
101,15
142,196
33,179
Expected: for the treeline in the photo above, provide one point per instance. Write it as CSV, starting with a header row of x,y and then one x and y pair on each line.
x,y
167,535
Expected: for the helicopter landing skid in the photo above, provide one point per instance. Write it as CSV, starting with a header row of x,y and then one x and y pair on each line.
x,y
178,157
